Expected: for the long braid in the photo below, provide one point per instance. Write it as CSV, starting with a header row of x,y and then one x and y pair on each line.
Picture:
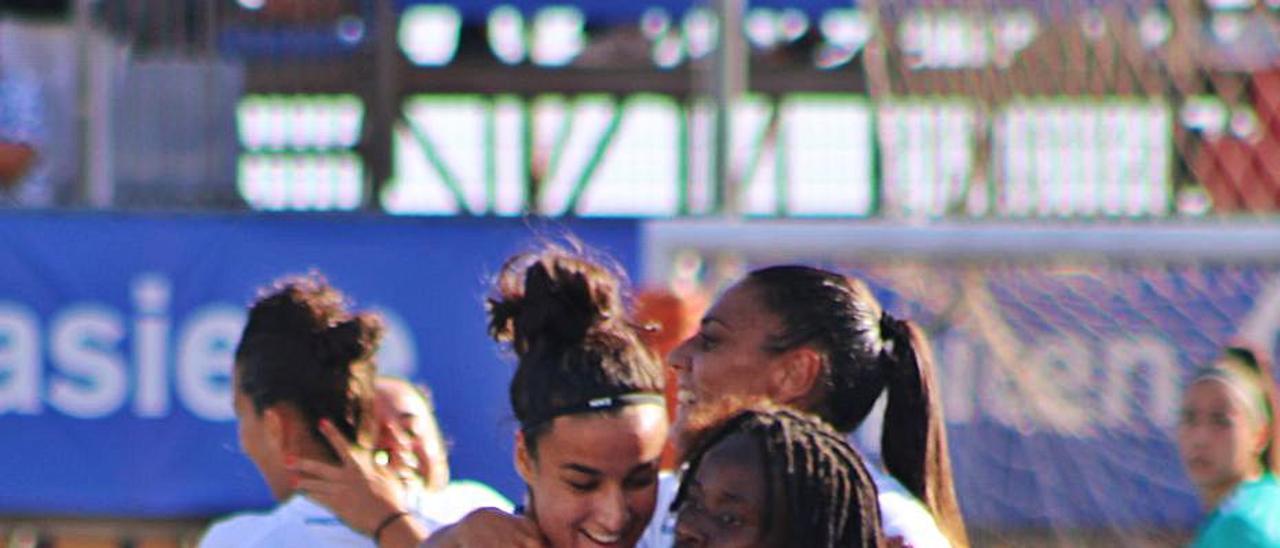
x,y
816,480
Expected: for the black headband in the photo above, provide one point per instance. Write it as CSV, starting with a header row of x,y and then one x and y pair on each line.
x,y
595,405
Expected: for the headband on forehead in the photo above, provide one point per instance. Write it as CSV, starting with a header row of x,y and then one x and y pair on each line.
x,y
596,405
1242,384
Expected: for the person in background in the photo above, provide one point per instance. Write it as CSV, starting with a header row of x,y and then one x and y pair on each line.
x,y
410,438
1227,438
303,364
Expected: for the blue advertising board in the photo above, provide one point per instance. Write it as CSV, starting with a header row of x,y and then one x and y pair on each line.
x,y
117,331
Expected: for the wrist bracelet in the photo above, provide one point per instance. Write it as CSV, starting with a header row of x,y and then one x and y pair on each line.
x,y
386,522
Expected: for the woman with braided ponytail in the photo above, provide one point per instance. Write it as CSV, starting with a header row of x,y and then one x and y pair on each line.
x,y
776,478
820,342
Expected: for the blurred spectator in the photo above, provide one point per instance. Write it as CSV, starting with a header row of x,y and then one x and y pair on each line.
x,y
1227,438
21,131
38,107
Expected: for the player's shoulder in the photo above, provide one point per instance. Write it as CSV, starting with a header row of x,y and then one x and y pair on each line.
x,y
244,529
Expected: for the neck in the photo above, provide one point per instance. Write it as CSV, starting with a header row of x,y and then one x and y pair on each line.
x,y
1214,495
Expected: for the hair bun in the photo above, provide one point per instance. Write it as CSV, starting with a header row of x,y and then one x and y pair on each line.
x,y
351,340
553,302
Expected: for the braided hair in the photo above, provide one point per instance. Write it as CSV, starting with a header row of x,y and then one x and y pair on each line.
x,y
815,481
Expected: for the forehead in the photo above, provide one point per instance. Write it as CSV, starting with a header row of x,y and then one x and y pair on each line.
x,y
742,306
396,398
614,442
1209,393
733,469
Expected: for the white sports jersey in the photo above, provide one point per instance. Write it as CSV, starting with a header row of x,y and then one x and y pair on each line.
x,y
902,515
455,501
298,523
661,532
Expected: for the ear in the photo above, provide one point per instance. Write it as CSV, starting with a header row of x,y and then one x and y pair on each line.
x,y
794,375
273,424
524,461
1260,439
283,429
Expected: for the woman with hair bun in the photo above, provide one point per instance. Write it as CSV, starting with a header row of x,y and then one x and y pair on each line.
x,y
303,363
588,396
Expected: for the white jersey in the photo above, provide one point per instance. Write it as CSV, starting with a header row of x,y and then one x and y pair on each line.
x,y
298,523
661,532
901,515
455,501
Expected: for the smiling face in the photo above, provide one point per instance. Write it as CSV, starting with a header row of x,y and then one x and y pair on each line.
x,y
726,500
593,481
1220,442
728,358
399,409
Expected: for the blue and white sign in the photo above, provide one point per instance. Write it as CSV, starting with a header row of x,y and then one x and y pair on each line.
x,y
117,334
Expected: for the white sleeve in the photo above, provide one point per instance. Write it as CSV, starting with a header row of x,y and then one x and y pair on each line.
x,y
661,532
903,516
235,532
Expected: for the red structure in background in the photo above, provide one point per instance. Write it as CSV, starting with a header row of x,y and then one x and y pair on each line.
x,y
676,317
1243,174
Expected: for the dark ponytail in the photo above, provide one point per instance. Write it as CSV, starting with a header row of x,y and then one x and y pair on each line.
x,y
301,347
913,441
562,314
867,352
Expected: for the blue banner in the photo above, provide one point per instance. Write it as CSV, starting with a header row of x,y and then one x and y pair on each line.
x,y
117,331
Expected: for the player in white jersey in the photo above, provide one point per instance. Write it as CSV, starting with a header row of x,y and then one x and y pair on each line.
x,y
820,342
772,477
303,362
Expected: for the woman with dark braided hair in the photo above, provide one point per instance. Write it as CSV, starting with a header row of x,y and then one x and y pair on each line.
x,y
776,478
820,342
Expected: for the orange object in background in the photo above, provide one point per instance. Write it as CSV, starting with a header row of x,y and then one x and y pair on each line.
x,y
676,317
1243,175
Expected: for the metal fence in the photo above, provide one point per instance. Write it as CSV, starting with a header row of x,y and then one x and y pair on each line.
x,y
920,109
